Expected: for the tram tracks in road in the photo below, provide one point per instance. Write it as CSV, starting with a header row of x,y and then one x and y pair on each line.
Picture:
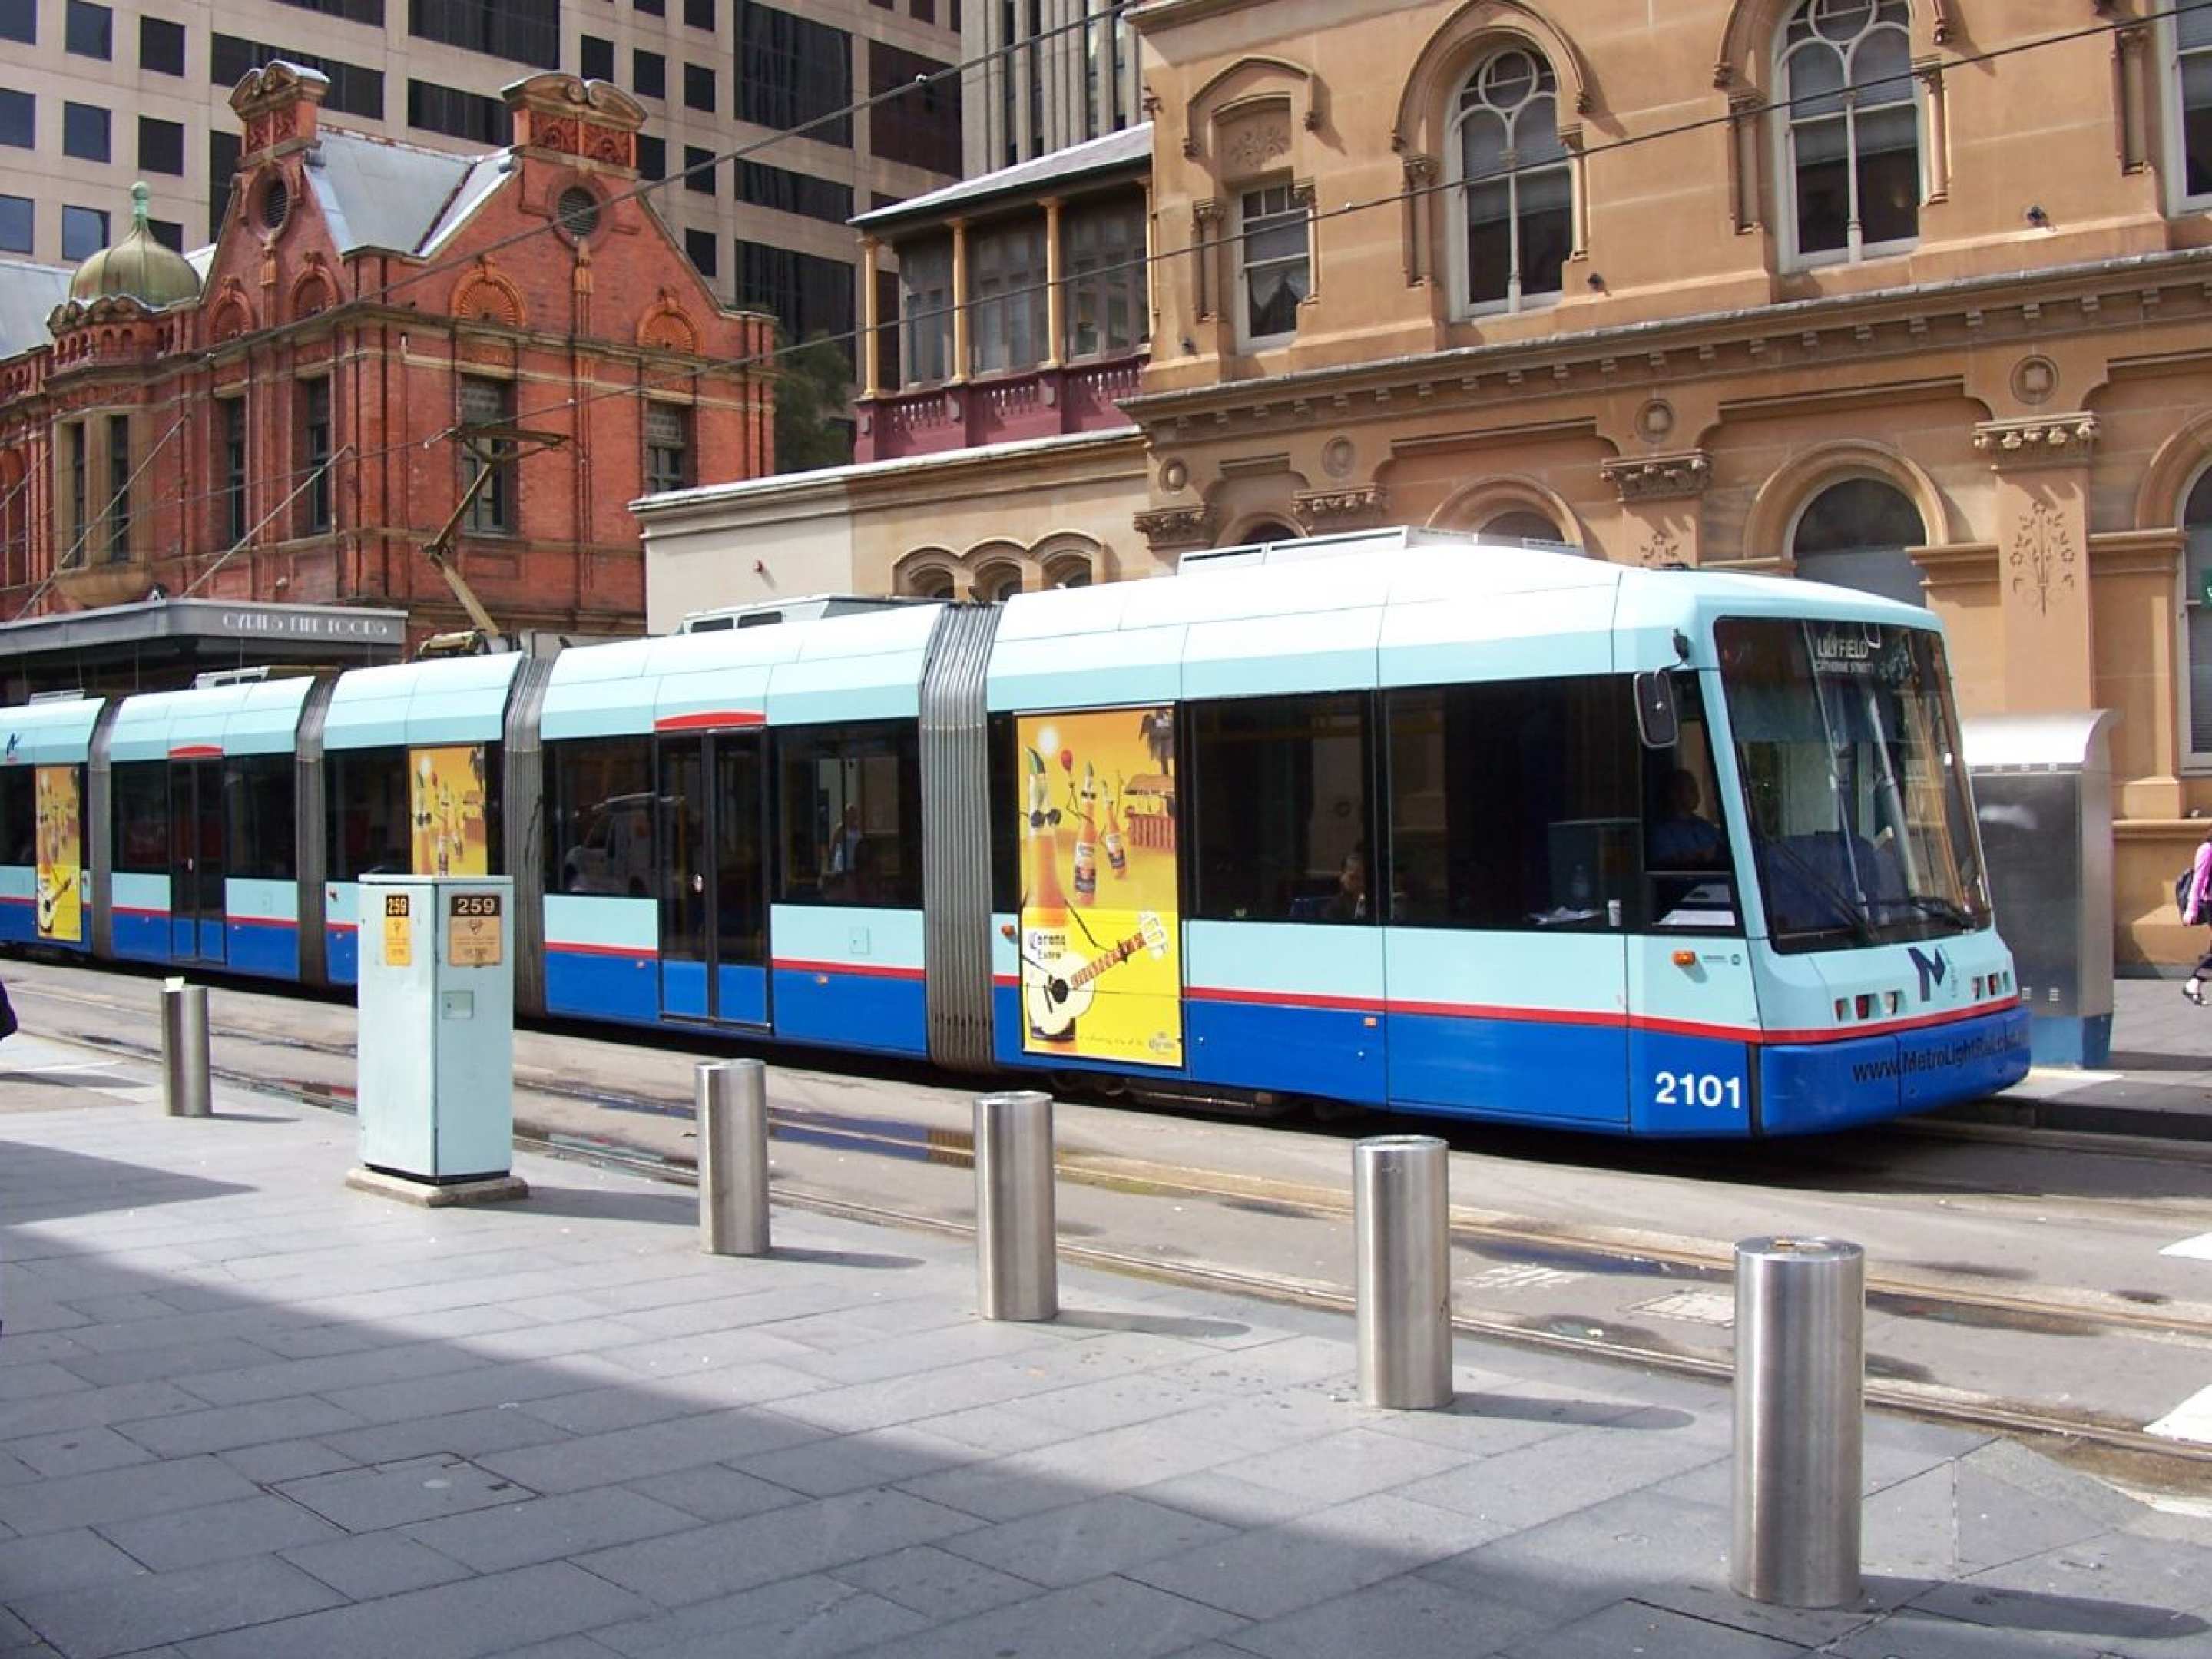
x,y
1499,1236
2119,1448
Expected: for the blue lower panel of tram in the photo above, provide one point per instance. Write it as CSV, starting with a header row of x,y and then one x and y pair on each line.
x,y
1808,1088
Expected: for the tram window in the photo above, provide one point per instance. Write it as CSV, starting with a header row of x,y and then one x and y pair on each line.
x,y
368,813
598,807
1514,805
1282,812
140,791
1005,823
850,822
262,801
18,817
1689,875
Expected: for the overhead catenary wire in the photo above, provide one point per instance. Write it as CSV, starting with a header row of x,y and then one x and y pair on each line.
x,y
1202,247
255,529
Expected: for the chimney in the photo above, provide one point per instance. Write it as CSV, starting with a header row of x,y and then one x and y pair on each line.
x,y
277,107
588,124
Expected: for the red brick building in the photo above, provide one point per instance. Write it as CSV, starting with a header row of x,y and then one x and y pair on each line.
x,y
272,418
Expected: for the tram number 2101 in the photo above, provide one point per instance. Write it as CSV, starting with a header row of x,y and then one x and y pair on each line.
x,y
1706,1088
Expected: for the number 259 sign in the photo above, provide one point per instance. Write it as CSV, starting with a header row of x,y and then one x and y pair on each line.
x,y
473,930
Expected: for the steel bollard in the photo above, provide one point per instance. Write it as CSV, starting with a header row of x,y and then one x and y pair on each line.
x,y
1017,1267
185,1088
1800,1418
1401,1218
733,1117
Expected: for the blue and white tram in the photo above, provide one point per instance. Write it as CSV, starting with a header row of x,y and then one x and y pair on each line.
x,y
1425,823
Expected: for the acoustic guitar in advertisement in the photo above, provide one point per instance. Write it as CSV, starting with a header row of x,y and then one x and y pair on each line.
x,y
1060,981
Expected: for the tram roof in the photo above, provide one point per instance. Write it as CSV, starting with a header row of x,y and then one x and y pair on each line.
x,y
420,704
1383,608
258,717
55,732
866,666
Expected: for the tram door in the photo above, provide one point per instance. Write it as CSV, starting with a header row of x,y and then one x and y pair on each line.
x,y
195,861
713,865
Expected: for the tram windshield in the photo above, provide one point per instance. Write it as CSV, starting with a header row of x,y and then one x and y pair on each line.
x,y
1854,785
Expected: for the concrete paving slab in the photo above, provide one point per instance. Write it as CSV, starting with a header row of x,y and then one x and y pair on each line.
x,y
462,1620
95,1621
930,1580
1406,1617
805,1618
1106,1619
1088,1539
259,1525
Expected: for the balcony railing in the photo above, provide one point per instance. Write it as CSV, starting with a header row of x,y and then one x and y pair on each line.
x,y
1031,402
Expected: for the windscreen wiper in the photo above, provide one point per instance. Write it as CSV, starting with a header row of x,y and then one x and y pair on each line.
x,y
1855,919
1934,904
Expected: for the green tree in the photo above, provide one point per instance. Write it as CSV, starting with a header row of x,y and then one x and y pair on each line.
x,y
814,395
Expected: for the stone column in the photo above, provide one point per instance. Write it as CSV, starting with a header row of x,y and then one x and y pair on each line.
x,y
872,367
2042,466
1055,301
959,302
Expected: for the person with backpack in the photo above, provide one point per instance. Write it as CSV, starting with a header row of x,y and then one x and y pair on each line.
x,y
2192,891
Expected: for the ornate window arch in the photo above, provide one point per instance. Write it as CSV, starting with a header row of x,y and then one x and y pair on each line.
x,y
1522,524
1488,502
996,580
1430,119
1781,499
1512,204
927,572
1847,130
1858,532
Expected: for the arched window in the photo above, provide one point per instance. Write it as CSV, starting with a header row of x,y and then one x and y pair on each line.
x,y
1515,199
1069,570
2189,128
2197,569
932,584
1267,530
1855,534
1522,524
997,582
1850,126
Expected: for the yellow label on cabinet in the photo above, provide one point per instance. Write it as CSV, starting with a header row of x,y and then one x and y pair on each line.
x,y
398,932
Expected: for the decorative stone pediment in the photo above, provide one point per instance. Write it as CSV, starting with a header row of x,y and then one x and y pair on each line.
x,y
1659,477
1345,508
2040,440
1174,529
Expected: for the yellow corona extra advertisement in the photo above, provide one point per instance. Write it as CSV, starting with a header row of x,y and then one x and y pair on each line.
x,y
1102,966
59,850
445,798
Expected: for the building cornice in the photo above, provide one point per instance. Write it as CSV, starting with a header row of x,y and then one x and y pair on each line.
x,y
1899,322
830,485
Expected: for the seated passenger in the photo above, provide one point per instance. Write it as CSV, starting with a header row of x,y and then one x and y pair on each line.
x,y
1685,838
1349,901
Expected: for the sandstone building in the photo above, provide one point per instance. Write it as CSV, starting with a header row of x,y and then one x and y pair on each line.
x,y
1914,295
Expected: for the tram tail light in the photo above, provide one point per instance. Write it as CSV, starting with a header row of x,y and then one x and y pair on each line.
x,y
1866,1006
1894,1001
1843,1008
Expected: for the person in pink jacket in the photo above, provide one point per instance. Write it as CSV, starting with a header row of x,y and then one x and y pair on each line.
x,y
2198,913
